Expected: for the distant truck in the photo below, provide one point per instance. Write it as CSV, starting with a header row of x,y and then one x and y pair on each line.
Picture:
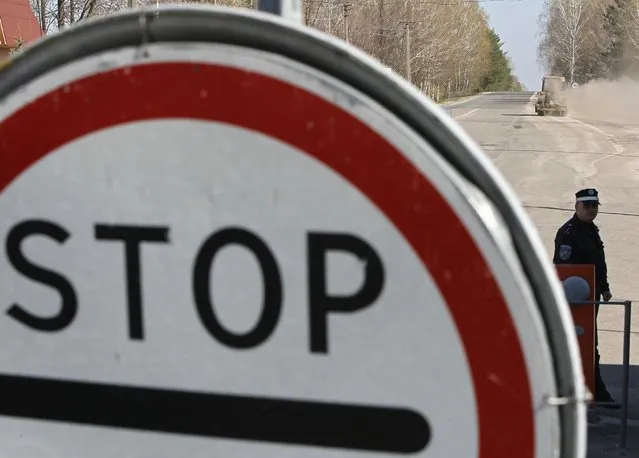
x,y
551,99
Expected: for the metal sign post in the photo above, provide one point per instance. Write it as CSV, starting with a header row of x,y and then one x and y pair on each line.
x,y
288,9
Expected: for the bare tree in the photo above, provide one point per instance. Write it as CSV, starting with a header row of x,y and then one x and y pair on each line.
x,y
55,15
567,23
441,46
573,39
630,25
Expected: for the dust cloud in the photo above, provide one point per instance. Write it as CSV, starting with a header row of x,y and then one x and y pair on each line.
x,y
606,101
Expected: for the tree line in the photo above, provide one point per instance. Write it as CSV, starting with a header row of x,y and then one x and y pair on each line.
x,y
444,47
590,39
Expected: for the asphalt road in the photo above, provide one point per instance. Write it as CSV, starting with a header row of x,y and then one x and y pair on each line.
x,y
546,160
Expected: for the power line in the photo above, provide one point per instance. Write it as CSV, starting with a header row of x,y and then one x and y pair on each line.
x,y
572,210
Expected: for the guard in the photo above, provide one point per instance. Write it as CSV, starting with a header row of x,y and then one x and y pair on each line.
x,y
578,242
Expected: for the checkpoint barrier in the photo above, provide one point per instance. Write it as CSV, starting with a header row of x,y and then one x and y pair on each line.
x,y
170,134
627,321
578,282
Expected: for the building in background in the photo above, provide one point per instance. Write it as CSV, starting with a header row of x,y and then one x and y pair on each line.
x,y
18,26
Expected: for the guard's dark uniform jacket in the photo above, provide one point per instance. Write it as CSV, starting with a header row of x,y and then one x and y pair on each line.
x,y
578,242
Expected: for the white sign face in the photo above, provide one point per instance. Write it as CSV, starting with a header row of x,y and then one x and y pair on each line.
x,y
220,252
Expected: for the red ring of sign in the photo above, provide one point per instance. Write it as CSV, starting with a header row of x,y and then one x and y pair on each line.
x,y
350,148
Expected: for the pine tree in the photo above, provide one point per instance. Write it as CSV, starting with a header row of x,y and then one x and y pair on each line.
x,y
499,76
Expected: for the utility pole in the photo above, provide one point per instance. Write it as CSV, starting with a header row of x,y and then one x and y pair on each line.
x,y
409,18
60,15
381,26
133,3
407,28
347,10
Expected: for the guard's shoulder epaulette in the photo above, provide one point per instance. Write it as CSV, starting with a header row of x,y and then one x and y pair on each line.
x,y
566,229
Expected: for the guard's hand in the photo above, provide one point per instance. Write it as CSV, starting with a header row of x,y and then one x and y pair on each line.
x,y
606,296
